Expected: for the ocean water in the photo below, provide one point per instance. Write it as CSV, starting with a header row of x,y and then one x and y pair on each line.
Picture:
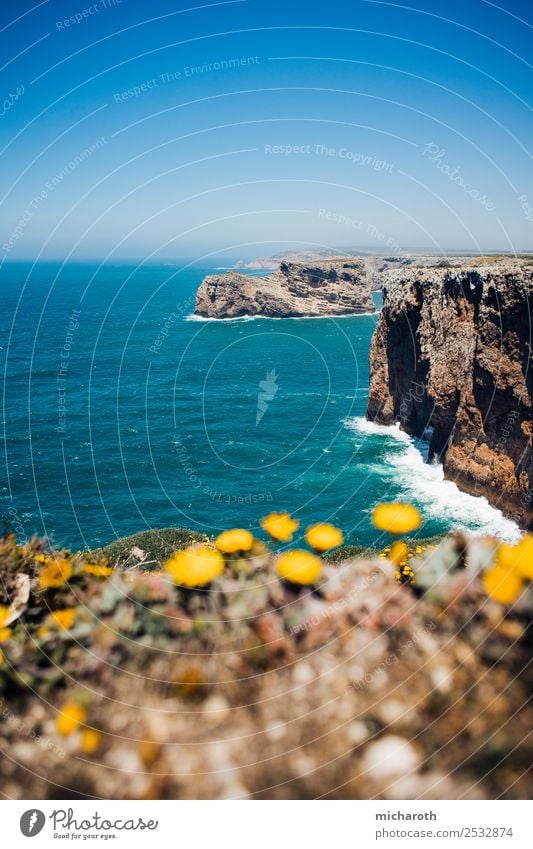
x,y
121,413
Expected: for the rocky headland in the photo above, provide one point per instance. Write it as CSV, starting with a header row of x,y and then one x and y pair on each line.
x,y
296,290
451,357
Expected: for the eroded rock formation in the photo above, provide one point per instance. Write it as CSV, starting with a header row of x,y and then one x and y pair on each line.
x,y
329,287
452,355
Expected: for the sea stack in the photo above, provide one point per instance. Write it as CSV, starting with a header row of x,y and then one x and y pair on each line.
x,y
451,356
297,289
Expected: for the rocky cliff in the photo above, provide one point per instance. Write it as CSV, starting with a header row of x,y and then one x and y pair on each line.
x,y
451,356
296,289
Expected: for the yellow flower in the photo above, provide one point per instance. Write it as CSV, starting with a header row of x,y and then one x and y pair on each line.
x,y
518,558
98,570
299,567
63,619
229,542
280,526
41,558
195,566
90,741
503,585
42,632
71,715
524,560
399,553
396,518
55,573
4,613
5,634
506,556
324,536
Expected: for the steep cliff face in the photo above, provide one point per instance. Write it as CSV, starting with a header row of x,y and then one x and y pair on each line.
x,y
451,356
330,287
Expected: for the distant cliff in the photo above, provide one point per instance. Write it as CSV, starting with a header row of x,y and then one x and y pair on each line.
x,y
296,289
451,356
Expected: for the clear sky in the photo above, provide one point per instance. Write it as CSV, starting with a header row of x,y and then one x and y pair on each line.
x,y
170,129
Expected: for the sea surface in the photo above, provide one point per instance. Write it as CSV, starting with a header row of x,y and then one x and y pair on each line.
x,y
121,413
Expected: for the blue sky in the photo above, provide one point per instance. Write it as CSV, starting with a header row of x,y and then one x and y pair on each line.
x,y
169,129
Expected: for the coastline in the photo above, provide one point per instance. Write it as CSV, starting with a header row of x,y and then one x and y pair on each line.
x,y
195,317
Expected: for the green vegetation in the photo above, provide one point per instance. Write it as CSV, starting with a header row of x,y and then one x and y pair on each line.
x,y
157,545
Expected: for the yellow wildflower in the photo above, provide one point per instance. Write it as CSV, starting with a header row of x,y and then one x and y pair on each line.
x,y
90,741
299,567
195,566
503,585
63,619
41,558
42,632
4,613
55,573
324,536
5,634
518,558
229,542
399,553
71,715
524,560
280,526
98,570
506,556
396,518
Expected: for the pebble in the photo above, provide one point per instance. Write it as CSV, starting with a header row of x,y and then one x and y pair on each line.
x,y
389,757
216,709
303,673
356,732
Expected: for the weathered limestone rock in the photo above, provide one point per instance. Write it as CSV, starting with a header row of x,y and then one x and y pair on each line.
x,y
329,287
452,354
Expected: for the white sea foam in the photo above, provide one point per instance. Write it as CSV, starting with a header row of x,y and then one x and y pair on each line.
x,y
203,318
194,317
425,483
362,425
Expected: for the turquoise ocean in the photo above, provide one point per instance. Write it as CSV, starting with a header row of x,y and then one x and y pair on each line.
x,y
121,412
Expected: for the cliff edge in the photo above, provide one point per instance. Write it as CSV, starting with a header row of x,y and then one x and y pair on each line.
x,y
451,357
295,290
